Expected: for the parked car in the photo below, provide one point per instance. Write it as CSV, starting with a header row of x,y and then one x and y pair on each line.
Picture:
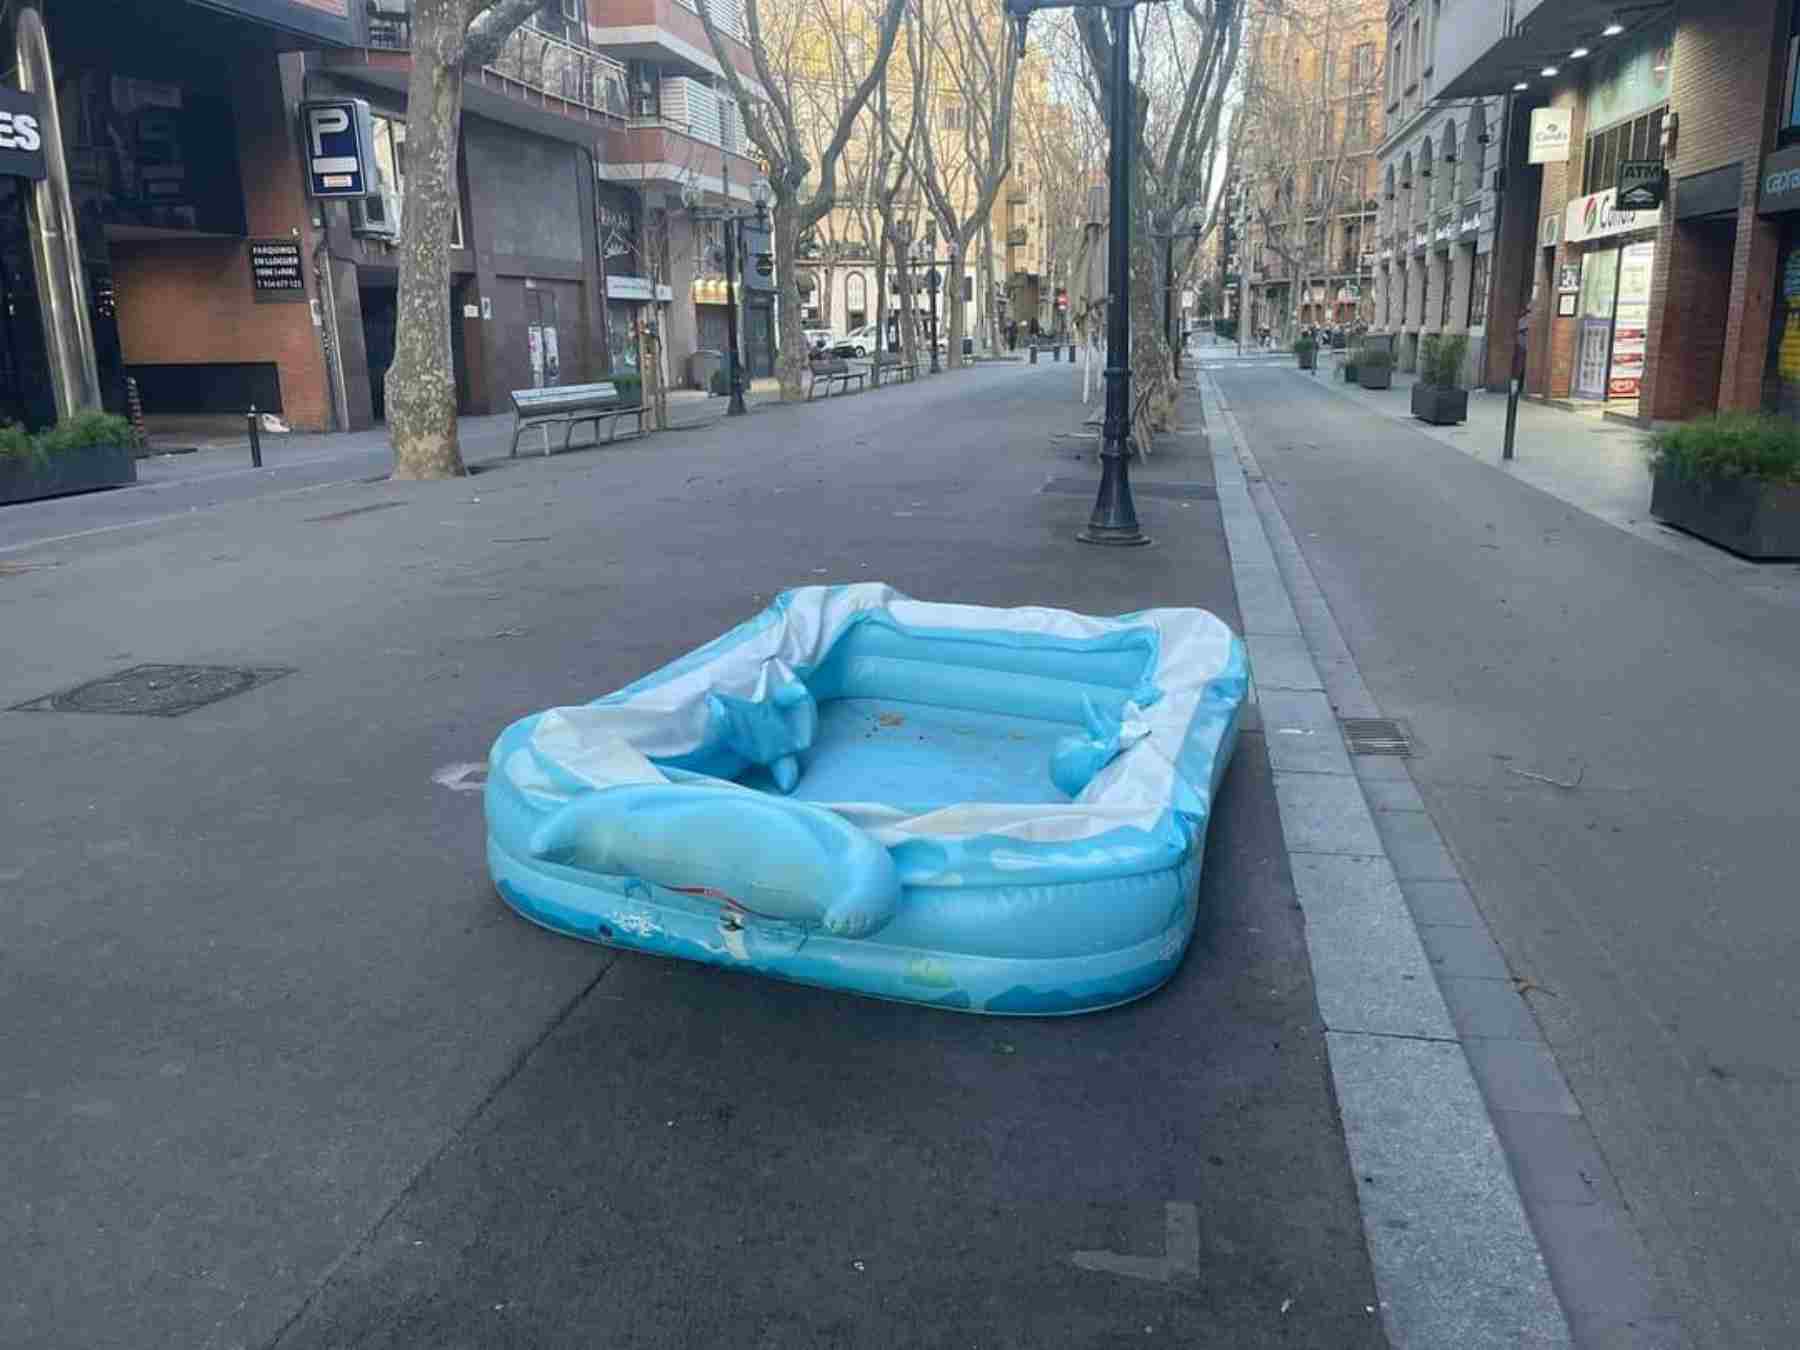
x,y
858,342
819,339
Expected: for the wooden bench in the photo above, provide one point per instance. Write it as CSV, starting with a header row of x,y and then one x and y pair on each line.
x,y
571,404
894,361
832,370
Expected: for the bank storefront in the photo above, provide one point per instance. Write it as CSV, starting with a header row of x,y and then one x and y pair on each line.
x,y
1612,260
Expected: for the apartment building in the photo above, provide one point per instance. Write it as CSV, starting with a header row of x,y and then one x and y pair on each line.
x,y
1310,164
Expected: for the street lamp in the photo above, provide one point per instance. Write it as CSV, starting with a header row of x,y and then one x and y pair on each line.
x,y
933,280
1114,519
732,222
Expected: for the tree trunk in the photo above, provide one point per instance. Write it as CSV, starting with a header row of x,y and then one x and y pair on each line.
x,y
880,305
906,287
951,299
984,283
826,273
1152,368
790,364
421,383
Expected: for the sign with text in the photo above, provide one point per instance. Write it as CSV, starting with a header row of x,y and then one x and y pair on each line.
x,y
1596,216
277,271
1641,184
1780,182
340,137
21,142
1551,130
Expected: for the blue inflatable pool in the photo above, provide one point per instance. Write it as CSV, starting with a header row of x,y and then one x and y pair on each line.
x,y
997,811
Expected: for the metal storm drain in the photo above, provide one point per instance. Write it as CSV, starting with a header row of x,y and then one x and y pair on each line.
x,y
156,690
1139,487
1376,736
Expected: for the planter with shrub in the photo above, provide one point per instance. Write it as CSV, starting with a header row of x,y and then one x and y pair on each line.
x,y
1733,480
630,385
1439,397
88,451
1348,365
1307,349
1375,368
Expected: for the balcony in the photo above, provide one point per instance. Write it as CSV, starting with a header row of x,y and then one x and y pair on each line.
x,y
1017,237
691,135
669,32
537,80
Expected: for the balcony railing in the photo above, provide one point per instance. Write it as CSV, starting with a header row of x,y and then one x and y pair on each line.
x,y
536,61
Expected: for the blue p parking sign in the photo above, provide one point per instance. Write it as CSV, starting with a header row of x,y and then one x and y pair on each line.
x,y
339,136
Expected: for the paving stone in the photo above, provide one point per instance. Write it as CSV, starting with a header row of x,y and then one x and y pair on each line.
x,y
1488,1008
1554,1158
1520,1076
1282,662
1413,844
1441,902
1393,794
1263,602
1303,733
1325,813
1463,949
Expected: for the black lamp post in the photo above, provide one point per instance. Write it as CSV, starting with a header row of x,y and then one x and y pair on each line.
x,y
733,237
1114,519
933,280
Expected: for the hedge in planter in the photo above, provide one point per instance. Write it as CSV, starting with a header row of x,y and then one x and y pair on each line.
x,y
1308,351
1375,368
79,454
1439,397
1733,481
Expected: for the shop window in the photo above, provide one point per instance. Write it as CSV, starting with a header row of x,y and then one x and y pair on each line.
x,y
856,301
1640,138
1478,289
1789,130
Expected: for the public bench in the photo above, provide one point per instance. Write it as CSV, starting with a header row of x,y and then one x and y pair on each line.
x,y
571,404
898,364
832,370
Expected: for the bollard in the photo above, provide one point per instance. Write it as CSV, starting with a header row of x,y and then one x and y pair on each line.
x,y
255,438
1034,353
1071,353
1056,353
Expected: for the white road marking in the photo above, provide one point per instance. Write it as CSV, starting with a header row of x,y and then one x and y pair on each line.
x,y
1181,1251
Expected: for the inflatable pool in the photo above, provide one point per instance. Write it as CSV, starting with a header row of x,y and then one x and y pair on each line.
x,y
993,810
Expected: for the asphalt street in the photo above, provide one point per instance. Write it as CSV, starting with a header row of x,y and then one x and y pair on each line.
x,y
281,1070
1641,885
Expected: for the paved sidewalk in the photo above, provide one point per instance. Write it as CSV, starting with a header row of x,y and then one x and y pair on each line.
x,y
1598,466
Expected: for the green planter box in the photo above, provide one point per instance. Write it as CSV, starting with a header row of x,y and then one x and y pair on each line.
x,y
1441,405
1349,369
1375,377
1308,360
28,478
1751,517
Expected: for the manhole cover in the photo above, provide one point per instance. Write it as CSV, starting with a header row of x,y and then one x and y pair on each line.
x,y
156,690
1086,487
1376,736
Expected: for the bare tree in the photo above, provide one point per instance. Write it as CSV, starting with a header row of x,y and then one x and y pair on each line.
x,y
965,67
773,120
449,37
1306,127
1187,63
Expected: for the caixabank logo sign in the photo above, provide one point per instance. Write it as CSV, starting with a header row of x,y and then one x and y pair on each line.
x,y
21,135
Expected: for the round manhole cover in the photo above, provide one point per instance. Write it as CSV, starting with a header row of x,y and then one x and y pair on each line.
x,y
157,689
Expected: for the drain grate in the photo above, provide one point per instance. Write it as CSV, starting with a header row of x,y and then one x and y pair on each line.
x,y
156,690
1085,487
1376,736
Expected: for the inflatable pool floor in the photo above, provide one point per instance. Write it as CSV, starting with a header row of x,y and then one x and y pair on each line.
x,y
998,811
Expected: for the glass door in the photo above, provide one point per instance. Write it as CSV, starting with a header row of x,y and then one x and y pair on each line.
x,y
1593,343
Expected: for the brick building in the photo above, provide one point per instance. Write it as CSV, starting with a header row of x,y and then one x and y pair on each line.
x,y
178,145
1652,314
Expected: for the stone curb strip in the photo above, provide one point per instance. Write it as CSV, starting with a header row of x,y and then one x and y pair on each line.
x,y
1456,1261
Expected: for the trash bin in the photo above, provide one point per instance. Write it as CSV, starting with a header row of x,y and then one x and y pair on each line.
x,y
968,346
702,366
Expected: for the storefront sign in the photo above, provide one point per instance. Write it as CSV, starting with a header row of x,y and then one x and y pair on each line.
x,y
1568,277
1641,184
340,139
277,272
1781,182
1596,217
1550,135
1471,222
21,144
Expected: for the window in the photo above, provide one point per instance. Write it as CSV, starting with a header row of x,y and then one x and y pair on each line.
x,y
380,215
952,117
1478,288
1362,64
1790,101
1357,136
1418,44
1640,138
856,301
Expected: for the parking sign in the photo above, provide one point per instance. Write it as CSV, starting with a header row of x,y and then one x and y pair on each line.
x,y
339,136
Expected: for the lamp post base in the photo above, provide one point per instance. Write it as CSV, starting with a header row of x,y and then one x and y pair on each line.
x,y
1116,536
1114,521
